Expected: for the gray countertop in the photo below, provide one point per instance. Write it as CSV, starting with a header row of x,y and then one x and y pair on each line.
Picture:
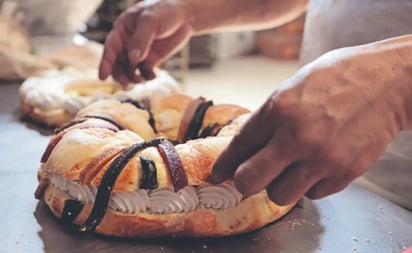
x,y
354,220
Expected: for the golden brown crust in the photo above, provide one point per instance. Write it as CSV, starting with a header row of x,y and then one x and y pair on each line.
x,y
53,97
252,213
177,102
88,153
222,114
88,164
171,109
126,114
50,118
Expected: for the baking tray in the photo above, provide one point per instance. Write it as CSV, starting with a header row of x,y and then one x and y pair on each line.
x,y
354,220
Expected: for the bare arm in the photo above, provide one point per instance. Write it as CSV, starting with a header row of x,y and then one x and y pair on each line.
x,y
325,125
397,52
151,31
229,15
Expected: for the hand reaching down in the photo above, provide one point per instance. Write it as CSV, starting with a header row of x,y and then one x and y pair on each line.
x,y
143,37
322,128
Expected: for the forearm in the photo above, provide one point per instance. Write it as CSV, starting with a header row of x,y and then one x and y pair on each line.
x,y
230,15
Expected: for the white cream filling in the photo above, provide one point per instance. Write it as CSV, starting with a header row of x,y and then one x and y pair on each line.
x,y
157,201
47,92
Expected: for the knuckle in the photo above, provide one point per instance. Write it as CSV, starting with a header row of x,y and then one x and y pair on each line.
x,y
305,137
335,159
147,16
243,185
278,103
247,180
353,172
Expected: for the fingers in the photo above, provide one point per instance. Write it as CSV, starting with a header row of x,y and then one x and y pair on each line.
x,y
326,187
253,175
244,144
292,184
113,47
139,44
166,47
146,70
136,33
132,36
120,73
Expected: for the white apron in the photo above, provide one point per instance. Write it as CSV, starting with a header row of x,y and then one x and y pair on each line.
x,y
332,24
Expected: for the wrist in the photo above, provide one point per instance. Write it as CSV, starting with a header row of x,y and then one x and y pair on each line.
x,y
400,63
384,71
239,15
395,56
380,72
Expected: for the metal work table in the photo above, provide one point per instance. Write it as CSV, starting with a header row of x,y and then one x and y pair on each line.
x,y
354,220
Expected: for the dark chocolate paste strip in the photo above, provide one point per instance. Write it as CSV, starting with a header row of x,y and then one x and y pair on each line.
x,y
149,178
52,143
71,210
173,162
144,104
69,124
197,120
136,103
57,138
226,124
211,130
41,188
106,117
187,118
108,181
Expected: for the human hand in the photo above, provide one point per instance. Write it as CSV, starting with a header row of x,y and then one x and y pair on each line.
x,y
143,37
320,130
408,250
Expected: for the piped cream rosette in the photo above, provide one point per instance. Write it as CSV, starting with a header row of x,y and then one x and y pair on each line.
x,y
55,97
124,170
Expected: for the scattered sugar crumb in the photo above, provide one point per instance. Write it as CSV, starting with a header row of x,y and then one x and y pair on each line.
x,y
204,246
354,249
354,238
295,223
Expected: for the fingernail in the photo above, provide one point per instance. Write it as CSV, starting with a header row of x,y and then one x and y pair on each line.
x,y
123,80
103,71
134,55
102,76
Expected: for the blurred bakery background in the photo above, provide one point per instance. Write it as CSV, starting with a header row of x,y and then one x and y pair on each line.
x,y
33,34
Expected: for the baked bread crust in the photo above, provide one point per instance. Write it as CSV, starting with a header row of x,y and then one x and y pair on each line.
x,y
87,150
54,97
253,213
